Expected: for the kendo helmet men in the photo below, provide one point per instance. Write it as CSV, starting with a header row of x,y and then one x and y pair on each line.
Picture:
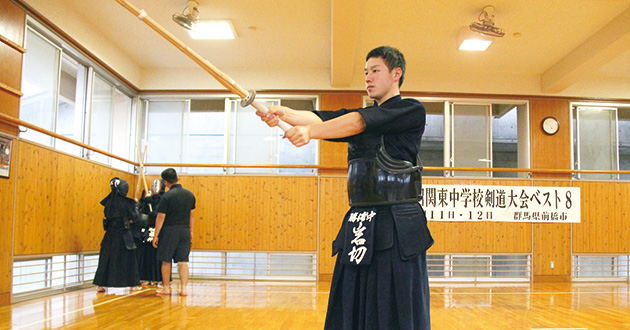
x,y
157,186
119,185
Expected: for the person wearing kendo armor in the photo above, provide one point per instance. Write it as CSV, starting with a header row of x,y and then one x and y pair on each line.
x,y
150,268
117,263
380,279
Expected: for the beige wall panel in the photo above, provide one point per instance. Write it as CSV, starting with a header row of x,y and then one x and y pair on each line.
x,y
483,236
605,227
10,66
9,105
543,145
57,201
254,213
36,180
12,22
333,205
552,243
7,188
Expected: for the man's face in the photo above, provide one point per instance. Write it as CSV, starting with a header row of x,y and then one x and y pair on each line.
x,y
379,80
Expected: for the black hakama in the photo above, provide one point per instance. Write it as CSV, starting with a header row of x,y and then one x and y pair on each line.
x,y
150,267
117,266
389,293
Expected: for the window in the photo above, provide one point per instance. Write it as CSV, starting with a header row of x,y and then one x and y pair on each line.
x,y
253,265
601,139
67,94
605,267
72,89
491,134
40,82
33,277
477,268
219,131
474,133
165,126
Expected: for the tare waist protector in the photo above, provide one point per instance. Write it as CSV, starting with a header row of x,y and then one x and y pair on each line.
x,y
383,180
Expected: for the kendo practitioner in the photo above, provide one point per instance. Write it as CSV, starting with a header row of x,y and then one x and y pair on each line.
x,y
117,262
380,279
150,267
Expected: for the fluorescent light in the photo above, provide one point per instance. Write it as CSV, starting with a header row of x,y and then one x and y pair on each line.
x,y
472,41
213,29
475,45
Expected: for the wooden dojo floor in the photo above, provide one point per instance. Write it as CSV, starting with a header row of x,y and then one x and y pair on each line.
x,y
271,305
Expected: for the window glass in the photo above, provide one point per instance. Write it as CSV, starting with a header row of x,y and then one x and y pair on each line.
x,y
40,81
72,90
123,130
470,140
165,132
432,147
101,118
505,138
206,135
596,145
623,117
288,154
254,143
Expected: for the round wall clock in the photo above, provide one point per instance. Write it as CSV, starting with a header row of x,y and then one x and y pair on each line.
x,y
550,125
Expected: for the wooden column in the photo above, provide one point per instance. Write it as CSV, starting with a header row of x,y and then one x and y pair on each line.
x,y
11,54
552,241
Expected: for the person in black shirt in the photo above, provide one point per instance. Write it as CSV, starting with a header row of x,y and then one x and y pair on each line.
x,y
380,279
173,230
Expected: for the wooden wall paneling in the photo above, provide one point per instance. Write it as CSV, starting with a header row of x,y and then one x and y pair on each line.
x,y
552,243
550,151
63,223
255,213
12,25
333,205
13,22
9,105
10,66
58,201
88,212
35,188
604,227
7,188
622,204
208,192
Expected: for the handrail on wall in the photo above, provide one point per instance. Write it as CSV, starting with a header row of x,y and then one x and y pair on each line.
x,y
18,122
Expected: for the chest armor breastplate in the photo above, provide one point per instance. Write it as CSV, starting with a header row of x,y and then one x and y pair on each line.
x,y
375,178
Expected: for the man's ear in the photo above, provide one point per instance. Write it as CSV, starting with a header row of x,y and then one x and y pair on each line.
x,y
397,73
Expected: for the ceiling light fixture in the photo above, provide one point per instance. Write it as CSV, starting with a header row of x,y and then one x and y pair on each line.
x,y
468,40
213,29
203,29
188,19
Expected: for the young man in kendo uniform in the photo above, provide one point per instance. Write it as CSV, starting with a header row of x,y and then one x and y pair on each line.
x,y
380,279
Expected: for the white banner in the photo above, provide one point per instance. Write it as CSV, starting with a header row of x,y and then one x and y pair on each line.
x,y
501,203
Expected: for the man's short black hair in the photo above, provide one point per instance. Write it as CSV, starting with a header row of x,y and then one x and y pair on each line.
x,y
392,57
170,175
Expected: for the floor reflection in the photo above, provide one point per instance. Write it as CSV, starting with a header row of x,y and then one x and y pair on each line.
x,y
269,305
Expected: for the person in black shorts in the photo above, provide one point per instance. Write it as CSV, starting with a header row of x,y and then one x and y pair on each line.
x,y
173,230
